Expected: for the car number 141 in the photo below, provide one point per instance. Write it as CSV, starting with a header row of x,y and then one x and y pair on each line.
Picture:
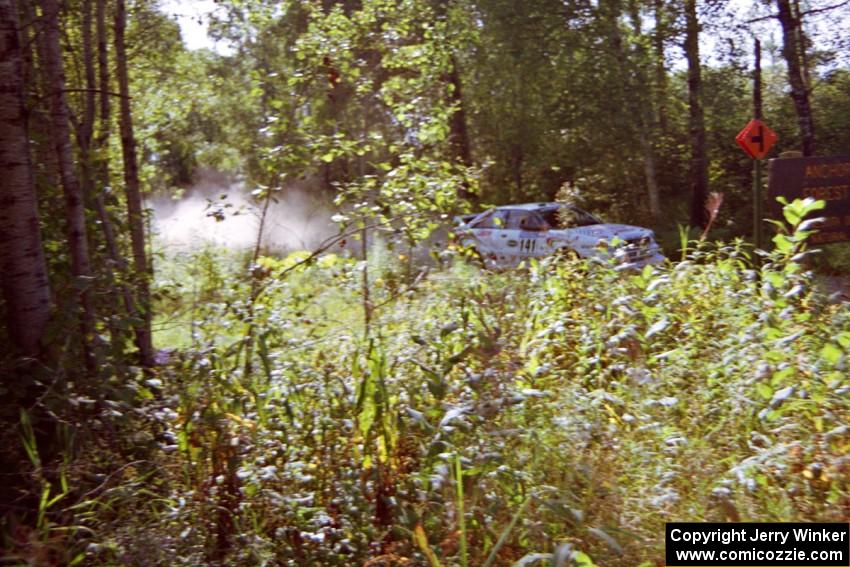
x,y
528,245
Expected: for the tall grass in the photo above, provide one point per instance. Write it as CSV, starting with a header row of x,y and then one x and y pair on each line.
x,y
559,412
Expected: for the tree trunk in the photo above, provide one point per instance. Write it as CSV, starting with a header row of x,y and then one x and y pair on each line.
x,y
103,84
86,128
461,151
42,150
74,202
642,108
25,37
633,80
650,171
459,137
22,266
517,160
100,162
699,162
660,66
791,51
803,43
459,131
134,196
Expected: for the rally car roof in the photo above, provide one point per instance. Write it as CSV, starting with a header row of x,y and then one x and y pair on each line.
x,y
517,207
532,206
535,207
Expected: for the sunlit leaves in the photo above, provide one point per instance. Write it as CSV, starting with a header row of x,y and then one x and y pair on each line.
x,y
831,353
795,211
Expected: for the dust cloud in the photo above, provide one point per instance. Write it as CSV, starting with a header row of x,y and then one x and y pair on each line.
x,y
219,211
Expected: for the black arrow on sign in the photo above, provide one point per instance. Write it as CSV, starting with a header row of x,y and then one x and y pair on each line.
x,y
759,139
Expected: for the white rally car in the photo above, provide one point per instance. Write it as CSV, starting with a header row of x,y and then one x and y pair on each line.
x,y
504,236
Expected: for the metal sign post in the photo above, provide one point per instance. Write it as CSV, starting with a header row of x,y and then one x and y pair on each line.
x,y
756,139
757,205
758,201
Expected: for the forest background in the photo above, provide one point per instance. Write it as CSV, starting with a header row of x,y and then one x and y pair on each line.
x,y
353,403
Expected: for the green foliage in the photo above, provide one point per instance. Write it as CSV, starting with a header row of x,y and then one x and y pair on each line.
x,y
790,240
559,413
556,413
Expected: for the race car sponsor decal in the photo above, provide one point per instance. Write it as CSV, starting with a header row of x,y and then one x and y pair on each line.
x,y
512,243
588,231
561,240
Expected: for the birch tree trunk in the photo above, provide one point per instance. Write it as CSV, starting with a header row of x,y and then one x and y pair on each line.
x,y
141,266
101,165
22,265
74,202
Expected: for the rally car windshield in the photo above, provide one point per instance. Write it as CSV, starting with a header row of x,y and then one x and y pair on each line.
x,y
568,217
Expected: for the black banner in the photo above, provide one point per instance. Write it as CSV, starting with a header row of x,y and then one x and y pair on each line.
x,y
823,178
691,544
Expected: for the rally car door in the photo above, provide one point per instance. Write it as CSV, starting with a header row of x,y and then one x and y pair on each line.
x,y
526,234
489,232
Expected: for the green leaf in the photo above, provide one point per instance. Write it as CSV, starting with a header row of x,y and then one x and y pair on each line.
x,y
791,215
780,375
582,559
831,353
783,243
421,540
264,355
366,408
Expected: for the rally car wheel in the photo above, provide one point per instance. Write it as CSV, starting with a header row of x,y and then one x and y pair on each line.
x,y
473,255
569,257
566,254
